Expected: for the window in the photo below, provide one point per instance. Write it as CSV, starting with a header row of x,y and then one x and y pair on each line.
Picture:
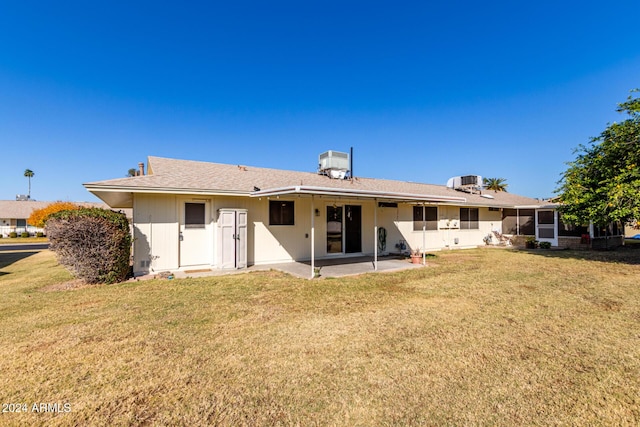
x,y
510,221
546,224
428,214
194,215
469,219
570,229
545,217
546,233
280,212
612,229
518,221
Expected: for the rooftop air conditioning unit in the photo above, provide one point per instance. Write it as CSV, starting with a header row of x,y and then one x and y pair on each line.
x,y
469,183
474,180
333,164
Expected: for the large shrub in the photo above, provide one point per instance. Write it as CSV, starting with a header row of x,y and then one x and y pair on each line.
x,y
93,243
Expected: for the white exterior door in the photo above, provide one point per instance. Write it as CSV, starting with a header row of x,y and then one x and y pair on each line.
x,y
546,230
232,238
241,239
195,239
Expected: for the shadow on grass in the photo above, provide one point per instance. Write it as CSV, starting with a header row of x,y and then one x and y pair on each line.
x,y
349,260
629,254
8,258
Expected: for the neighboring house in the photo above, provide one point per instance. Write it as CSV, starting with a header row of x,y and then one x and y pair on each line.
x,y
630,230
190,215
14,215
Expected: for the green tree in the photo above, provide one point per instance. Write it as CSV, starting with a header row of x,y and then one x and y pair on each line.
x,y
29,174
132,172
495,184
603,183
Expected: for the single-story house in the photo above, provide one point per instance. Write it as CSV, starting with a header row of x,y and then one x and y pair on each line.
x,y
191,215
15,213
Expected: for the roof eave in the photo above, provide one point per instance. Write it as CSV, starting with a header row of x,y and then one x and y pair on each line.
x,y
339,192
122,196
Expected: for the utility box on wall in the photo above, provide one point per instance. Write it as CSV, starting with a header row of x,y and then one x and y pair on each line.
x,y
449,224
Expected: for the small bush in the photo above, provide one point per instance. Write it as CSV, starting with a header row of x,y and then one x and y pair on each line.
x,y
530,243
24,234
39,234
93,243
545,245
13,234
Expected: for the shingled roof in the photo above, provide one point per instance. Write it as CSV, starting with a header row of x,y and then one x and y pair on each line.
x,y
197,177
21,209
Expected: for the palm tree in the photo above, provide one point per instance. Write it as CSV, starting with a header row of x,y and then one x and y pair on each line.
x,y
132,172
29,174
495,184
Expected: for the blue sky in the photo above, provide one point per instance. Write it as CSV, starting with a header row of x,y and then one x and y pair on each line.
x,y
422,91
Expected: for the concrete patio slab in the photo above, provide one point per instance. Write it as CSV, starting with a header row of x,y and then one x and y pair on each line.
x,y
338,267
344,266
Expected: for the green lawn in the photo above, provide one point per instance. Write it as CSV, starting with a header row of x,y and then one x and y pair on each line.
x,y
480,337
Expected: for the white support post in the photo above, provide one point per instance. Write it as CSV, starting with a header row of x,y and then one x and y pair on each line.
x,y
313,239
375,234
424,234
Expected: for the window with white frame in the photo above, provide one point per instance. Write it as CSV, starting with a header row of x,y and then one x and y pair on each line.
x,y
469,219
426,216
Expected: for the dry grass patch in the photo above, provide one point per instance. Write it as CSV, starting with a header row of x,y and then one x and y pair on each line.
x,y
22,240
488,337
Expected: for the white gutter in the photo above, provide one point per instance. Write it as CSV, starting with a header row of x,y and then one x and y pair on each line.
x,y
312,190
547,206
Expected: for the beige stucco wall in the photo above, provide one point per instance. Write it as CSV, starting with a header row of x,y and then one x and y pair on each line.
x,y
156,232
157,229
448,235
278,243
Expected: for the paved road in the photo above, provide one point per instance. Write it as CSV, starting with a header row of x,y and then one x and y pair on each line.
x,y
24,247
